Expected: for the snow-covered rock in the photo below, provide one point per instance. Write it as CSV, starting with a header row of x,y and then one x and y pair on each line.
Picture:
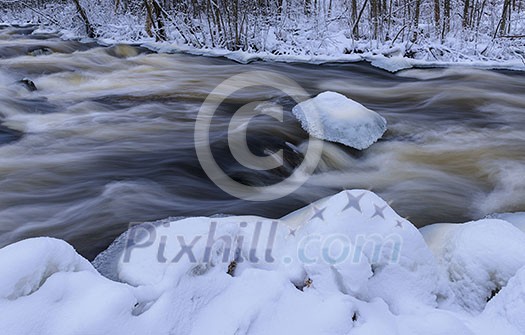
x,y
517,219
31,262
352,243
508,306
391,64
332,116
478,257
347,264
47,288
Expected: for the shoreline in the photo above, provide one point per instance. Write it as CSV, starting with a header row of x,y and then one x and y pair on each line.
x,y
393,64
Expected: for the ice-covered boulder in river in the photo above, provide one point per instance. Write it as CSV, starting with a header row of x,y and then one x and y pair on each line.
x,y
333,117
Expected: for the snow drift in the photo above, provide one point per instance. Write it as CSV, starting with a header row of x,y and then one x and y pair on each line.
x,y
347,264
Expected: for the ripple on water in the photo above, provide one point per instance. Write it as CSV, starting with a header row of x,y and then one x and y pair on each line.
x,y
107,139
8,135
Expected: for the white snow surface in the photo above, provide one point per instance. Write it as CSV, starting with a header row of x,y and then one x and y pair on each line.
x,y
517,219
478,257
346,264
332,116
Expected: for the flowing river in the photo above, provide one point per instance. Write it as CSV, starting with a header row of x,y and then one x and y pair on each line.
x,y
107,139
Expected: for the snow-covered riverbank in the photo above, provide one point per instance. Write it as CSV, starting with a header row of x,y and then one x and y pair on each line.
x,y
294,36
389,58
347,264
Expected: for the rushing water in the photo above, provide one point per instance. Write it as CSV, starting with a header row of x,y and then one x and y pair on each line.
x,y
107,139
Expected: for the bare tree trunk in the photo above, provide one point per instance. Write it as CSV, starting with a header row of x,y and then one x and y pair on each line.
x,y
374,13
480,14
238,26
161,29
154,22
437,15
416,18
389,25
355,29
503,21
89,28
446,18
150,26
354,14
466,7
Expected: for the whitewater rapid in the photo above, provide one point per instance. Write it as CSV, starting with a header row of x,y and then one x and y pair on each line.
x,y
107,139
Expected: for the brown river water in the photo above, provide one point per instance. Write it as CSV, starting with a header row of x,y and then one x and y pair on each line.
x,y
107,139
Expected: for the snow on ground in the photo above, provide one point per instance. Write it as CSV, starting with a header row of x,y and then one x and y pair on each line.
x,y
332,116
517,219
390,60
296,43
346,264
478,257
509,305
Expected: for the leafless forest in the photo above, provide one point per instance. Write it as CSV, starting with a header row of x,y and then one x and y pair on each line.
x,y
432,27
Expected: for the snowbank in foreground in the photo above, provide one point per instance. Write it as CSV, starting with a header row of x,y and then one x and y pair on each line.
x,y
479,257
347,264
517,219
